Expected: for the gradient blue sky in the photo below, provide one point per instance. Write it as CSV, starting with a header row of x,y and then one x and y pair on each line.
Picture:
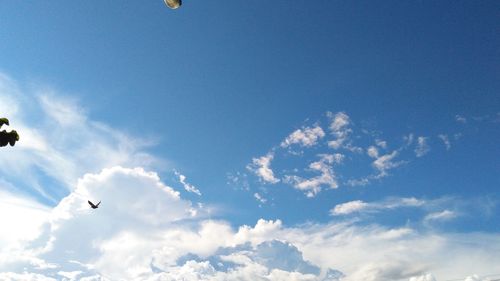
x,y
214,86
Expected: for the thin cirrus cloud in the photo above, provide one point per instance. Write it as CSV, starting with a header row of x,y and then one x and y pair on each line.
x,y
358,206
59,141
441,216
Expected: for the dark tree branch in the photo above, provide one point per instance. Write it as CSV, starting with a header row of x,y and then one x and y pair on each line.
x,y
7,137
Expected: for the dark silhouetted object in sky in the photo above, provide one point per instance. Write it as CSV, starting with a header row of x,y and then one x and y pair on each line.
x,y
94,206
7,137
173,4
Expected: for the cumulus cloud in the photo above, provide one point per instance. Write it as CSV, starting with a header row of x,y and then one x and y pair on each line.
x,y
136,206
92,244
313,186
262,168
306,136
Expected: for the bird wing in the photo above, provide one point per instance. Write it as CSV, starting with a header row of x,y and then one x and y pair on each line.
x,y
91,204
98,204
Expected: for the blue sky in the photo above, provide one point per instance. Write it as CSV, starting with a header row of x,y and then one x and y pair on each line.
x,y
272,123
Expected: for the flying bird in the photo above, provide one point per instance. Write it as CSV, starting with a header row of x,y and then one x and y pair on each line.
x,y
173,4
94,206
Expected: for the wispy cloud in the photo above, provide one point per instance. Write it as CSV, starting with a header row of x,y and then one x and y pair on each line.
x,y
386,162
359,206
441,216
260,198
349,207
59,142
422,146
446,141
187,186
460,119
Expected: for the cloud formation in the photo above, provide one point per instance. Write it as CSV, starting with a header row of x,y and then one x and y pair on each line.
x,y
145,230
306,136
187,186
358,148
324,166
358,206
422,147
262,168
59,141
91,244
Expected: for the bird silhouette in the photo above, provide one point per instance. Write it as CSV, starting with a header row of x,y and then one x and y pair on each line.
x,y
94,206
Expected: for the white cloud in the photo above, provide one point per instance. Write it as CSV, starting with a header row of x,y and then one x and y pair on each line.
x,y
259,198
305,137
358,182
343,135
349,207
11,276
339,128
187,186
422,147
58,141
446,141
425,277
358,206
93,243
381,143
384,163
20,217
372,152
65,112
408,139
262,168
136,207
313,186
340,120
441,216
460,119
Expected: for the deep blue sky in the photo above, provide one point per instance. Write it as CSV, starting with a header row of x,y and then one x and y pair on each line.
x,y
219,83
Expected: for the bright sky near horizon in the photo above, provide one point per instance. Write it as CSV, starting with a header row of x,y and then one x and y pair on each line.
x,y
237,140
